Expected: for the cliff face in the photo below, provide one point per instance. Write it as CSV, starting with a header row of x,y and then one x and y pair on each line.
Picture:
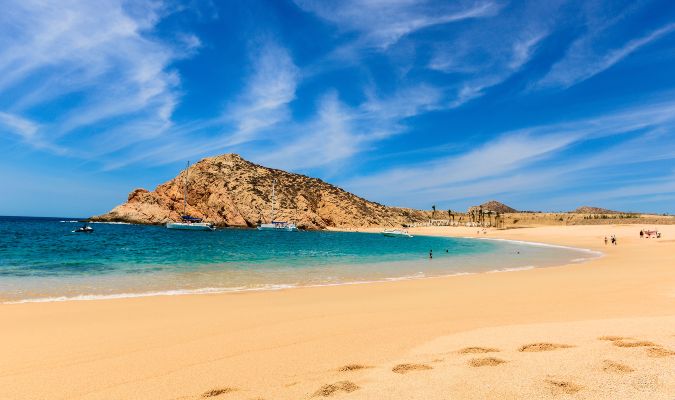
x,y
230,191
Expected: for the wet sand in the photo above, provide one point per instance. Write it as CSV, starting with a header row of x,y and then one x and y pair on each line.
x,y
601,329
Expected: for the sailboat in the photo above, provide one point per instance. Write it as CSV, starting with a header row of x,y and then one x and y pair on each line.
x,y
277,225
189,222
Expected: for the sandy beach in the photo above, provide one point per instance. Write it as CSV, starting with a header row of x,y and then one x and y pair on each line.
x,y
603,329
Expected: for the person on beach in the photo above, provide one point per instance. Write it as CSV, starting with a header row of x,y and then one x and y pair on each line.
x,y
642,233
605,240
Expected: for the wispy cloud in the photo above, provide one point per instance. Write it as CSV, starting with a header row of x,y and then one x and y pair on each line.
x,y
518,161
98,58
484,55
19,126
326,139
338,132
268,92
584,60
384,22
257,113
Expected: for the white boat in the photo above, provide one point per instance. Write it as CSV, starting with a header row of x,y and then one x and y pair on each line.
x,y
396,233
191,226
277,225
189,223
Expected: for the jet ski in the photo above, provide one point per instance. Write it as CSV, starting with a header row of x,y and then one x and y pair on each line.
x,y
84,229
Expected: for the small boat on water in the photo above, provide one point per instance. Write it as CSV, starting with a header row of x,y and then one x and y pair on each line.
x,y
188,222
84,229
191,224
396,233
277,225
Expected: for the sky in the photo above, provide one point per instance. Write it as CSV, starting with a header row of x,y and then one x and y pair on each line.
x,y
542,105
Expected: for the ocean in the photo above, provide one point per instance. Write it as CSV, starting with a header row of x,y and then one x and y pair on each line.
x,y
41,259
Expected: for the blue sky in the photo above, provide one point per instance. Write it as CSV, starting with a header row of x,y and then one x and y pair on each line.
x,y
543,105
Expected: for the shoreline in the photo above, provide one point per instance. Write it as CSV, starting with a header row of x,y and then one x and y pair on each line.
x,y
287,344
280,287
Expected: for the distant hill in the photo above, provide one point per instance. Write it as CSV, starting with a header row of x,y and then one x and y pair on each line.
x,y
501,208
594,210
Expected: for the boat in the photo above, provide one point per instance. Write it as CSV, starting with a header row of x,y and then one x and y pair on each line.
x,y
191,224
396,233
84,229
277,225
188,222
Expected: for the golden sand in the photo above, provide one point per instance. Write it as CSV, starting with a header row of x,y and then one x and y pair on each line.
x,y
294,344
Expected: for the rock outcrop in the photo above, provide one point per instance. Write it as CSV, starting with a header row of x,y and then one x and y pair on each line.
x,y
230,191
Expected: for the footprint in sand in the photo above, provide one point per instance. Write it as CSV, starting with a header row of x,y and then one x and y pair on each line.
x,y
331,389
612,366
353,367
638,343
563,387
536,347
485,362
614,338
405,368
478,350
218,392
659,352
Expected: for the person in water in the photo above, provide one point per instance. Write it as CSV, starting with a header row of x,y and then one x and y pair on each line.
x,y
431,254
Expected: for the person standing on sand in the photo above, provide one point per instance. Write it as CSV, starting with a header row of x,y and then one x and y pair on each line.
x,y
605,240
642,233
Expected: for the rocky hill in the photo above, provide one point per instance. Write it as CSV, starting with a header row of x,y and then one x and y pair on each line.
x,y
501,208
230,191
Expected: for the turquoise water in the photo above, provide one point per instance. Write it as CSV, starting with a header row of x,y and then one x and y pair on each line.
x,y
41,259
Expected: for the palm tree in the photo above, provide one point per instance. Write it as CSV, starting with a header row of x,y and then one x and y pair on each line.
x,y
433,213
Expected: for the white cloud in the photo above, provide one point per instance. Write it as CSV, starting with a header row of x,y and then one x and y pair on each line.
x,y
338,132
18,125
384,22
268,92
484,55
584,60
97,62
511,164
326,139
